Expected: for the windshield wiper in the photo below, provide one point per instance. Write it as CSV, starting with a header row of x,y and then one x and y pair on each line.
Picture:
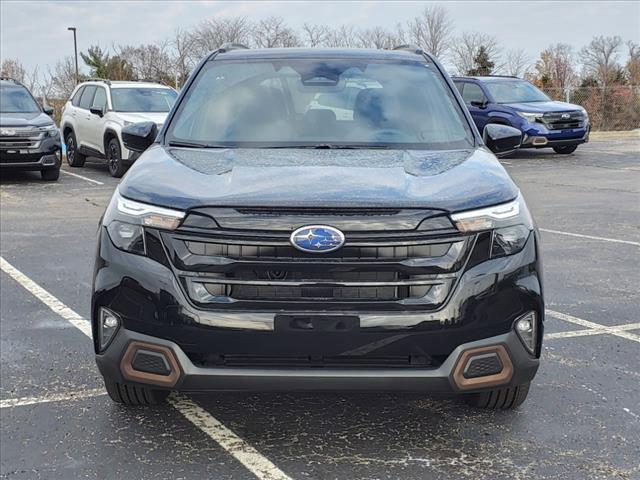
x,y
330,146
195,145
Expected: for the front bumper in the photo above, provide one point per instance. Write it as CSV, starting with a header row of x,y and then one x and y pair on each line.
x,y
444,378
48,155
538,136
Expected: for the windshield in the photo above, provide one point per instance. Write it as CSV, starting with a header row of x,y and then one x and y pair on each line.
x,y
143,99
515,92
320,102
17,100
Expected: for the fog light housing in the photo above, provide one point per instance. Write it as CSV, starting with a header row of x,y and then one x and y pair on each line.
x,y
526,329
108,324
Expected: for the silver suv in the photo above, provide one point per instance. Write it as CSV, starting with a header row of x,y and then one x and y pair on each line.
x,y
96,112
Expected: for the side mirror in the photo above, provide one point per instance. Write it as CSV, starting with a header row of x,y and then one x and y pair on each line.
x,y
97,111
48,110
139,136
501,139
482,104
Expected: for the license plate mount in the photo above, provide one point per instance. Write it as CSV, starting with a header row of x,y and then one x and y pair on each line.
x,y
317,323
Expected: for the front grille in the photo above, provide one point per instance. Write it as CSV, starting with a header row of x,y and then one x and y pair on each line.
x,y
256,269
310,361
21,139
560,121
6,157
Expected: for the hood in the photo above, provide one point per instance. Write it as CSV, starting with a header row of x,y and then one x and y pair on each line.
x,y
33,119
543,107
155,117
447,180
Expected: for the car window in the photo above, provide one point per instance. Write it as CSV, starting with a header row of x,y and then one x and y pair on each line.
x,y
75,101
515,91
351,102
472,93
100,99
17,100
87,97
143,99
459,86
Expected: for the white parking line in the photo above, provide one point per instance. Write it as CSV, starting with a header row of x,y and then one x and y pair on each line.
x,y
590,237
260,466
618,331
592,331
242,451
82,177
58,397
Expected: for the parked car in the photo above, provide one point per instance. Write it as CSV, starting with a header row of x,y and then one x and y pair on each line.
x,y
258,244
96,112
29,138
517,103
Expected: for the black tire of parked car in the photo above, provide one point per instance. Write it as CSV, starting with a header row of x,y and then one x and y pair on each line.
x,y
506,398
565,150
114,158
74,157
50,174
134,395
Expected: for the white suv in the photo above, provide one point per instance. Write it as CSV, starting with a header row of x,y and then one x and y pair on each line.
x,y
96,112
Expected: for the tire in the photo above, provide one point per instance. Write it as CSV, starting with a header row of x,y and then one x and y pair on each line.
x,y
507,398
134,395
74,157
50,174
566,149
114,158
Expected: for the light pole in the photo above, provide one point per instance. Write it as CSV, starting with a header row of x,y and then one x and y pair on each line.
x,y
75,49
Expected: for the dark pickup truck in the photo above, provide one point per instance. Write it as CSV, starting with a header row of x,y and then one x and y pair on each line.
x,y
318,220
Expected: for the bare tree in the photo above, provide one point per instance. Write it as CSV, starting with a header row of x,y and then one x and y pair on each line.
x,y
181,56
432,30
13,68
516,63
344,36
211,34
465,50
556,67
62,78
633,63
314,35
600,59
273,32
148,62
377,37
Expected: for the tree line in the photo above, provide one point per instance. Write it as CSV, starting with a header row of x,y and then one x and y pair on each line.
x,y
171,60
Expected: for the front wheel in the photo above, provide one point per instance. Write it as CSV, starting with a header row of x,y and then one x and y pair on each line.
x,y
134,395
565,149
506,398
50,174
114,157
74,157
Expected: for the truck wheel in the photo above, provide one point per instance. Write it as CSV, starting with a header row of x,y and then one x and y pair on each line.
x,y
133,395
50,174
507,398
114,157
565,150
74,157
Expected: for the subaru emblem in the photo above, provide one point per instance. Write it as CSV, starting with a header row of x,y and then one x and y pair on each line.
x,y
566,116
7,132
317,239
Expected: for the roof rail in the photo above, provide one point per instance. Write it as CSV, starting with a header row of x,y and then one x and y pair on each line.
x,y
225,47
11,79
409,48
96,79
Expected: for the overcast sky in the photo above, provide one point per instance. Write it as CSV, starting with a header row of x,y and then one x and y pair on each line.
x,y
36,33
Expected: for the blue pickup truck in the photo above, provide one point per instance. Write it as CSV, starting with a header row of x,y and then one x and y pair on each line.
x,y
517,103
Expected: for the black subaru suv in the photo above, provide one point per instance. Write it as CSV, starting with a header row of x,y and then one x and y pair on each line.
x,y
29,138
318,220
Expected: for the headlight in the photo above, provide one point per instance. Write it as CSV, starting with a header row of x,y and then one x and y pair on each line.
x,y
125,221
584,114
530,116
126,122
50,131
511,224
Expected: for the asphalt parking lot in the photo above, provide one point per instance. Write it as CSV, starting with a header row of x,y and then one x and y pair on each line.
x,y
581,420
